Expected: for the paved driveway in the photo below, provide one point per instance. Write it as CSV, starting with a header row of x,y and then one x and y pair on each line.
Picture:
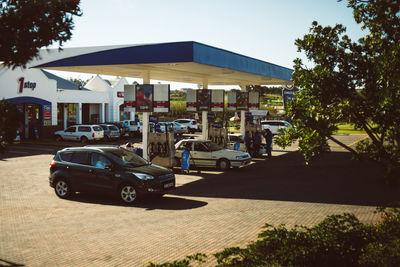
x,y
207,212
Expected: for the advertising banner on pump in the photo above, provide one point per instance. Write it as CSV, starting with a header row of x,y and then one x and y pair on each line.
x,y
144,98
231,100
129,98
254,100
217,100
242,100
161,101
203,100
191,100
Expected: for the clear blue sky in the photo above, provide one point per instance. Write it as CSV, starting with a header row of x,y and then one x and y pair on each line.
x,y
263,29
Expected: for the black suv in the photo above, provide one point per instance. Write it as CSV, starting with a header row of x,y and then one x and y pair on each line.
x,y
107,169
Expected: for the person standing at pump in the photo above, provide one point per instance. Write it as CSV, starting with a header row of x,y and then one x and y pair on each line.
x,y
268,139
257,143
247,141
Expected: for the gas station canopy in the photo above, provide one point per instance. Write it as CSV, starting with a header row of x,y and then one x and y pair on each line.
x,y
187,62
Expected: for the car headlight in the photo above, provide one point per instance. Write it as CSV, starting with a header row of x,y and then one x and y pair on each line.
x,y
142,176
243,156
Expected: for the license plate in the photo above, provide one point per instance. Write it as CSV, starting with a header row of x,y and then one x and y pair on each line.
x,y
168,185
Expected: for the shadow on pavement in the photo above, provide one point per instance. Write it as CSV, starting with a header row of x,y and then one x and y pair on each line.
x,y
9,263
148,203
335,178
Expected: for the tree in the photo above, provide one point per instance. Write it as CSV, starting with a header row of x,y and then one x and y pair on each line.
x,y
10,120
81,83
28,25
360,80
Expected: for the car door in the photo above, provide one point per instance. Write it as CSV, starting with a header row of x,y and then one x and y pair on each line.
x,y
201,155
69,133
104,178
80,171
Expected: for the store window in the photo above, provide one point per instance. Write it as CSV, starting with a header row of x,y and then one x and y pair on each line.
x,y
71,114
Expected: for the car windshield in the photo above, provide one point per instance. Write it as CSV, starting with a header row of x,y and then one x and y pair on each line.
x,y
97,128
126,158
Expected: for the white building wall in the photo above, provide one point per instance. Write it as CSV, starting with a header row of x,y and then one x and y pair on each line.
x,y
44,88
99,93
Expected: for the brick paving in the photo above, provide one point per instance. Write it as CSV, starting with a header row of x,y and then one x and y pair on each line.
x,y
207,212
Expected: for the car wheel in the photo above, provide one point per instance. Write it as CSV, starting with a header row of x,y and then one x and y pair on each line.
x,y
62,188
58,138
128,193
223,164
84,140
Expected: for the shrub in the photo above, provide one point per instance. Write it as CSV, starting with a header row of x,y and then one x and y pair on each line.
x,y
338,240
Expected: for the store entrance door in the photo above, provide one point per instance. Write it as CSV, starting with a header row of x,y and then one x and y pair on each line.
x,y
32,120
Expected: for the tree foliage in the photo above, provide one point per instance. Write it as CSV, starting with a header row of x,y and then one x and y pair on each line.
x,y
357,80
10,119
338,240
28,25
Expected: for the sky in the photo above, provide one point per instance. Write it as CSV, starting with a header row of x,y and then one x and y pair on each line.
x,y
262,29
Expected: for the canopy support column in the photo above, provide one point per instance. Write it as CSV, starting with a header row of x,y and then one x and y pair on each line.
x,y
145,131
243,114
204,130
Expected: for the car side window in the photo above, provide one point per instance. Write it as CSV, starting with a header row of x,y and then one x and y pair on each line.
x,y
83,129
80,158
200,147
99,161
70,130
66,156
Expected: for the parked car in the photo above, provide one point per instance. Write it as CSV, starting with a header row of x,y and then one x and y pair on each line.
x,y
163,126
234,138
204,153
193,125
133,127
110,131
274,125
179,128
82,133
107,169
123,129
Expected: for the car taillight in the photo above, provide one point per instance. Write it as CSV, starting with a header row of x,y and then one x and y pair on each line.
x,y
53,163
193,122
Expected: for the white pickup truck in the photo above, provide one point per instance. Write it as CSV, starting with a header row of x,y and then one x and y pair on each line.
x,y
274,125
133,127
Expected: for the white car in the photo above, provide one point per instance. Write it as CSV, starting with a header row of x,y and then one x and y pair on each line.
x,y
82,133
192,125
204,153
274,125
133,126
